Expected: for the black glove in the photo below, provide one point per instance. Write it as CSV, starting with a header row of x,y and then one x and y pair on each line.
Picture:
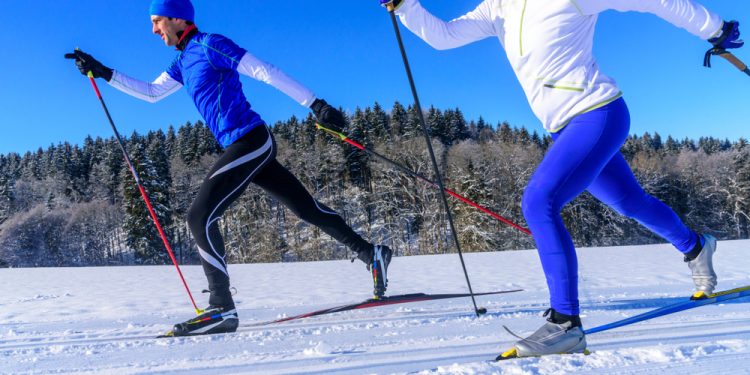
x,y
86,63
328,115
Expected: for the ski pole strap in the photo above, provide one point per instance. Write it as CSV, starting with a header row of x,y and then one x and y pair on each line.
x,y
726,55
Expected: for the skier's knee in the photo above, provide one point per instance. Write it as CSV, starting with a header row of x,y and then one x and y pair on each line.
x,y
537,204
632,204
196,219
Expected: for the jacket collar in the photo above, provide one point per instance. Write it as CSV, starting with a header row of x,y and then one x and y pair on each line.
x,y
187,34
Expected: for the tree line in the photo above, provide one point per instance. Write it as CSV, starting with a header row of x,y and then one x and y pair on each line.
x,y
71,205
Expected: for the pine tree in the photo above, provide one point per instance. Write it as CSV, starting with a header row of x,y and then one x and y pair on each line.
x,y
6,196
413,125
356,161
141,233
457,125
523,137
505,133
205,142
740,186
378,120
187,144
399,118
671,146
437,126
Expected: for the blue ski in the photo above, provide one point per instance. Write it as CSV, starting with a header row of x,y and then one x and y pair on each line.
x,y
676,307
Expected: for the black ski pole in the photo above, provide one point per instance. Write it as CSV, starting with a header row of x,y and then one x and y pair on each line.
x,y
143,192
438,177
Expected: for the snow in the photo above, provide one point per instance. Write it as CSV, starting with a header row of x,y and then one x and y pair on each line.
x,y
103,320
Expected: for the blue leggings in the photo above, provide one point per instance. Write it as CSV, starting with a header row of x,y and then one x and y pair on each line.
x,y
585,156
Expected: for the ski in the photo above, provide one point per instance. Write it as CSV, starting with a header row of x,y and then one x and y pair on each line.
x,y
372,302
690,303
717,297
512,353
384,301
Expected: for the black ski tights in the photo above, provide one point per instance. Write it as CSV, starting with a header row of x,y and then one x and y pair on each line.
x,y
252,158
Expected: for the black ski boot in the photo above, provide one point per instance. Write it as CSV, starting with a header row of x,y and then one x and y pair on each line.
x,y
377,258
381,258
215,319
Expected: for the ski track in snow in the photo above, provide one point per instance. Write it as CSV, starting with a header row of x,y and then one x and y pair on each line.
x,y
104,320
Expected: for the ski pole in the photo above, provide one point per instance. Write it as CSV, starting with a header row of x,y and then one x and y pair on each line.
x,y
143,192
421,177
735,61
438,178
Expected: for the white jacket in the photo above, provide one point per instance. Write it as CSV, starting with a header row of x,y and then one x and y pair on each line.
x,y
549,44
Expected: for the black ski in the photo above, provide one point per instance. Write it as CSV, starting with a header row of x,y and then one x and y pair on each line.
x,y
391,300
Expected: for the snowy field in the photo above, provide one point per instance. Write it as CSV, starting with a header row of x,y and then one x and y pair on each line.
x,y
103,320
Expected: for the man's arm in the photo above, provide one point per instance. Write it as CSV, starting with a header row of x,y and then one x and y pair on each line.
x,y
471,27
262,71
687,14
160,88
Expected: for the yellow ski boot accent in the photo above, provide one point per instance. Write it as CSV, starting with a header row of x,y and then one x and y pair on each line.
x,y
508,354
168,334
699,295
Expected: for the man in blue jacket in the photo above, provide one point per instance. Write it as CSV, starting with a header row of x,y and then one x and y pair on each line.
x,y
209,67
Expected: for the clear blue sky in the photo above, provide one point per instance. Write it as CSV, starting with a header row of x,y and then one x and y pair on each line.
x,y
345,51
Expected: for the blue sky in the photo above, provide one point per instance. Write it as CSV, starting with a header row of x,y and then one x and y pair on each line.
x,y
345,51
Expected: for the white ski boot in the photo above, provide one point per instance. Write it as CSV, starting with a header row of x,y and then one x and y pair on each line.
x,y
702,268
562,334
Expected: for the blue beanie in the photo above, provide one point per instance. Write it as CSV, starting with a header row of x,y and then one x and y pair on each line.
x,y
181,9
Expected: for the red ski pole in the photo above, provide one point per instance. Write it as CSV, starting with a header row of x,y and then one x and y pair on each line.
x,y
143,192
421,177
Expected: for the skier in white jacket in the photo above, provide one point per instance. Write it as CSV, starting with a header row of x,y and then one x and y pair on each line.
x,y
549,45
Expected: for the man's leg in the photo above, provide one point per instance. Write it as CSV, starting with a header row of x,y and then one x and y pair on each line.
x,y
287,189
226,181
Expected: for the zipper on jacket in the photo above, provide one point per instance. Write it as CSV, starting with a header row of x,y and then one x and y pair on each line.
x,y
520,34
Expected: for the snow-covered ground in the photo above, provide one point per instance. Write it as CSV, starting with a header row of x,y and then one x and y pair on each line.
x,y
103,320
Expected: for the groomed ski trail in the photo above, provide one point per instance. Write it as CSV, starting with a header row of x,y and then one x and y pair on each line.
x,y
115,335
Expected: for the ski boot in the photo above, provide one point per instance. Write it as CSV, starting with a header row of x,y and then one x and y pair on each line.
x,y
214,319
562,334
381,258
377,258
700,261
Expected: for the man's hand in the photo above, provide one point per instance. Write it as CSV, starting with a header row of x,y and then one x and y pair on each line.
x,y
391,5
729,38
86,63
327,115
